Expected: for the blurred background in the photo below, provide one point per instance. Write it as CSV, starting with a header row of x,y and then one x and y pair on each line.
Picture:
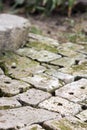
x,y
64,20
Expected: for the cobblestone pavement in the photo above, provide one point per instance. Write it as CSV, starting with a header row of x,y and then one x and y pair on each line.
x,y
43,86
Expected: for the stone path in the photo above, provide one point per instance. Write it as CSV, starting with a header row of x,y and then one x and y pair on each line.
x,y
43,86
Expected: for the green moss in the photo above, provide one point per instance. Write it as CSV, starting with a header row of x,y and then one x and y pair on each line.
x,y
61,124
42,46
83,125
4,107
35,30
34,128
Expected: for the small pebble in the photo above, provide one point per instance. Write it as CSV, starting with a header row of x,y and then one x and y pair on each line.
x,y
13,65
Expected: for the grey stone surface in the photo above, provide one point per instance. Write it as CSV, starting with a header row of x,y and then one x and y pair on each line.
x,y
8,102
43,82
71,54
61,106
33,127
33,97
24,67
20,117
70,123
64,62
1,72
76,70
71,46
41,56
9,87
44,75
82,116
67,78
42,39
13,31
75,91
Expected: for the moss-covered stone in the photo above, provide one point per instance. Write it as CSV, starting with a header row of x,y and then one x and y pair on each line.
x,y
42,46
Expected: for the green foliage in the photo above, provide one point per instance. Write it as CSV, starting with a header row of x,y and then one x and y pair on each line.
x,y
46,6
1,5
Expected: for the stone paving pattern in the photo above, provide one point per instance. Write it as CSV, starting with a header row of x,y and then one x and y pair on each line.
x,y
43,86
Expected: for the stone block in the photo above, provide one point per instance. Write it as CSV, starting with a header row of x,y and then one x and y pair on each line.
x,y
60,105
20,117
13,31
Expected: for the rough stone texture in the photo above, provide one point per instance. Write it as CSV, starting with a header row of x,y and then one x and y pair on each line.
x,y
76,70
64,62
67,78
75,91
9,87
20,117
1,72
33,127
71,46
82,116
13,31
19,67
60,105
42,39
44,75
43,82
69,123
71,54
41,56
9,102
33,97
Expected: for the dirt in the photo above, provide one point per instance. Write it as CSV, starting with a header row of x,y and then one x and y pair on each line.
x,y
62,28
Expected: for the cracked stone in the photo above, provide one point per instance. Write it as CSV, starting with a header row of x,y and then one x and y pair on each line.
x,y
75,91
67,78
13,31
42,46
9,87
20,117
61,106
33,127
33,97
19,67
71,54
71,46
68,123
41,56
8,102
82,116
64,62
43,82
76,70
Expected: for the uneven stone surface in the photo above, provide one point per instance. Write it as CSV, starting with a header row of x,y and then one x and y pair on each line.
x,y
67,78
63,62
9,102
42,39
43,82
69,123
43,86
9,87
1,72
20,117
76,70
41,56
13,31
33,127
33,97
75,91
61,106
82,116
